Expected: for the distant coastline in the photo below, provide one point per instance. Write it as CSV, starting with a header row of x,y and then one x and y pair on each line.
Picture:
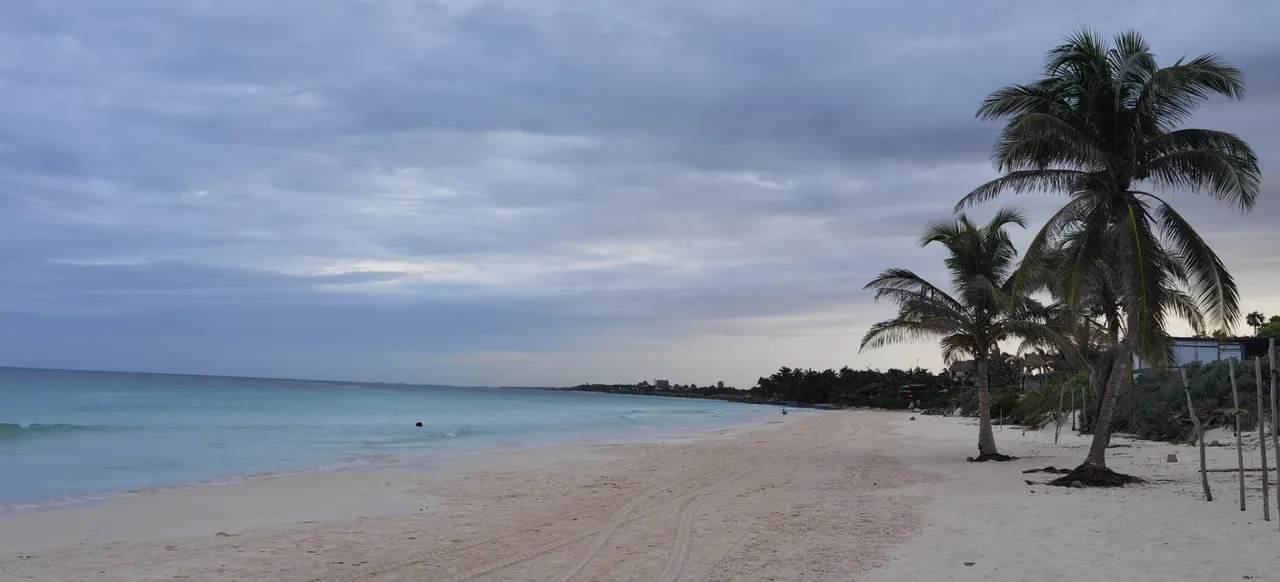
x,y
726,394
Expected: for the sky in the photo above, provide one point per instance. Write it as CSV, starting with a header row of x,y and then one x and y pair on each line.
x,y
531,192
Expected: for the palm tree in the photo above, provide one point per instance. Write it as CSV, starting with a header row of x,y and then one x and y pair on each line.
x,y
1094,326
1100,126
983,310
1255,320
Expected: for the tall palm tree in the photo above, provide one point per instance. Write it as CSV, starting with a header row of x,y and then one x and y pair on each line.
x,y
1102,127
982,310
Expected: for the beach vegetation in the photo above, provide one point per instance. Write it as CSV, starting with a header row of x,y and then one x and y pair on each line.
x,y
982,309
1104,127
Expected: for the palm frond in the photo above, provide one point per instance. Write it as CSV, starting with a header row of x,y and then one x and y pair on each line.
x,y
1211,284
1005,216
1147,287
1038,141
1173,93
1186,308
1222,175
1022,181
906,280
1184,140
1037,270
957,345
1133,64
901,330
1016,100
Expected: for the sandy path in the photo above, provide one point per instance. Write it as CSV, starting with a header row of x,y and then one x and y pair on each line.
x,y
795,501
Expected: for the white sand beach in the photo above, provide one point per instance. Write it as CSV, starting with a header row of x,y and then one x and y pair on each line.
x,y
842,496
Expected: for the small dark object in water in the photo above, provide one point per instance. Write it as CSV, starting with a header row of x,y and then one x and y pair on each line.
x,y
784,412
419,425
913,418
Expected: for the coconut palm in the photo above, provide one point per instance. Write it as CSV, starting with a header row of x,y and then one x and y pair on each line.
x,y
1102,127
1094,325
1255,320
982,310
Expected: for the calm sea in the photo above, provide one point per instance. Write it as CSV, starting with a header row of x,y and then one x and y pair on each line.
x,y
68,436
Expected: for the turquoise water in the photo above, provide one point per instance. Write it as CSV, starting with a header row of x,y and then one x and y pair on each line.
x,y
74,435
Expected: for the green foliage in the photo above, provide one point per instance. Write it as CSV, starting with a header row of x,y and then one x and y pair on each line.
x,y
982,309
1038,405
893,388
1162,406
942,402
1271,328
1255,319
1102,126
1003,404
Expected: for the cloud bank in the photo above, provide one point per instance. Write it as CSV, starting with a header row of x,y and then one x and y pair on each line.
x,y
528,193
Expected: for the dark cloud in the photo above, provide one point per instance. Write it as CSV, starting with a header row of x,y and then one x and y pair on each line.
x,y
486,191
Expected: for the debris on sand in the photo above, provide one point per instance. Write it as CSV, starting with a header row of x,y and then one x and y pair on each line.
x,y
1090,475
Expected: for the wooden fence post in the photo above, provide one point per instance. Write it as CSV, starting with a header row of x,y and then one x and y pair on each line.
x,y
1275,415
1235,395
1195,421
1073,409
1262,442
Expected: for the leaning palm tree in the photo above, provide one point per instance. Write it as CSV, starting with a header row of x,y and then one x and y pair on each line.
x,y
1094,326
982,310
1102,127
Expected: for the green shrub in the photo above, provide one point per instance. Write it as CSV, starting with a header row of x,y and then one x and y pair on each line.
x,y
1161,411
1003,404
940,401
1038,405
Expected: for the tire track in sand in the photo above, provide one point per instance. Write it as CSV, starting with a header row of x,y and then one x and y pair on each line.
x,y
508,561
603,537
427,556
501,563
629,504
679,557
846,432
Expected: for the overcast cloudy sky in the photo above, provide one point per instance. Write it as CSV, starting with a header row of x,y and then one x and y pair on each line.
x,y
524,191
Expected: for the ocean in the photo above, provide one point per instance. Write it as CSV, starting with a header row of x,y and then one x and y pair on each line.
x,y
68,436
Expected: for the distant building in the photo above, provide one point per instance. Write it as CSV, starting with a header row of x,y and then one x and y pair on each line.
x,y
962,369
720,385
662,384
1206,349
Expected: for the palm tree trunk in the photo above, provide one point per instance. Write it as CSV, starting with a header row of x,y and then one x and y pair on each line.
x,y
1102,372
986,437
1097,384
1107,406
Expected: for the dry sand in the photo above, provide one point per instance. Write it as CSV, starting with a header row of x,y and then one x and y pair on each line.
x,y
841,496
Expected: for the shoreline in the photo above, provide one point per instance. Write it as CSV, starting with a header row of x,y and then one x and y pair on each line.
x,y
398,469
744,398
863,495
425,459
